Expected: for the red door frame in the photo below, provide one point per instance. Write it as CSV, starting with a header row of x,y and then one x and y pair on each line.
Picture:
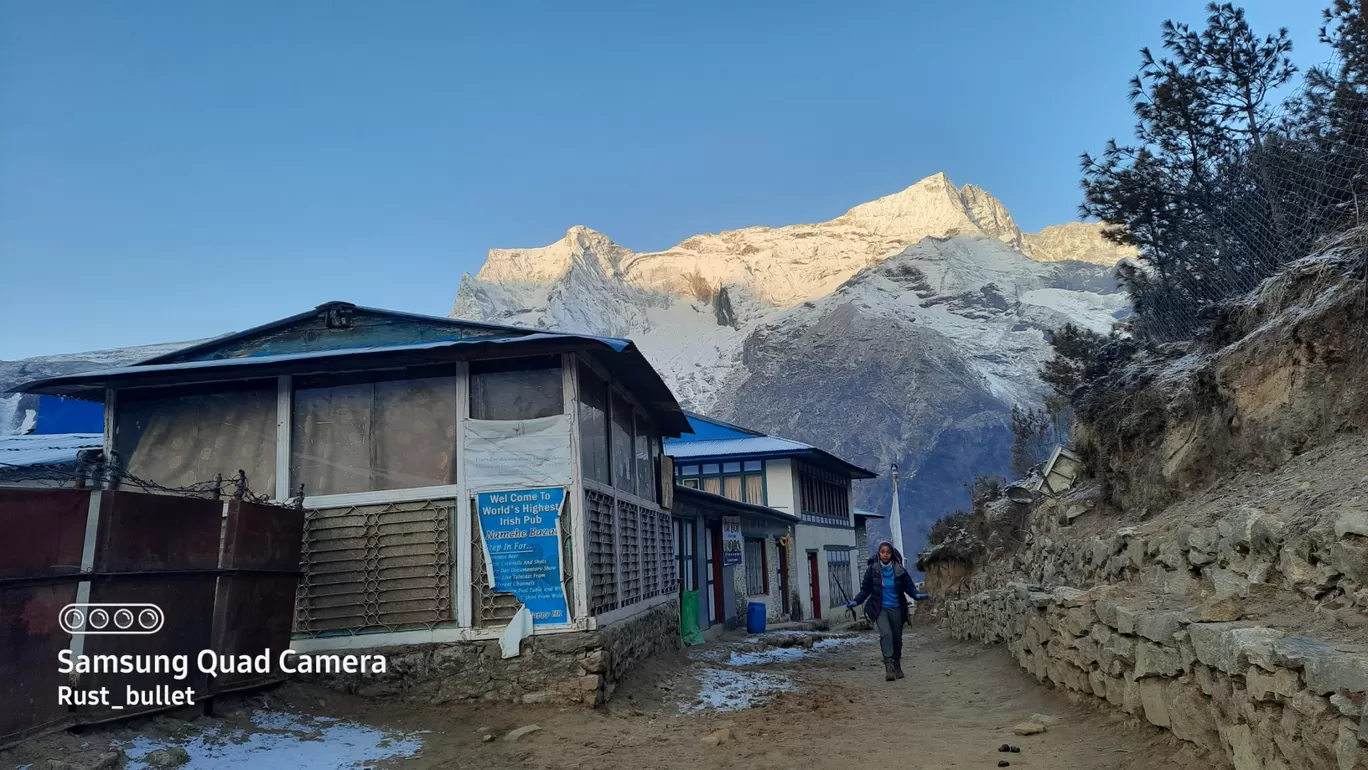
x,y
715,532
783,579
815,581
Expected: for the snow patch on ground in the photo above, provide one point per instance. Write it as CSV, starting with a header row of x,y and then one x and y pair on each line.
x,y
285,740
840,641
773,655
731,690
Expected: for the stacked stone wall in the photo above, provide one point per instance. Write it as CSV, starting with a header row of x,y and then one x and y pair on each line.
x,y
1257,697
567,668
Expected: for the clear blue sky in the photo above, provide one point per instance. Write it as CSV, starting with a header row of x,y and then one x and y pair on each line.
x,y
173,170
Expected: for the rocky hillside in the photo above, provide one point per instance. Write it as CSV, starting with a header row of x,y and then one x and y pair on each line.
x,y
901,331
1212,575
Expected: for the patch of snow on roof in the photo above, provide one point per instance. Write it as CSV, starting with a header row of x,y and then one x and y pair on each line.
x,y
48,449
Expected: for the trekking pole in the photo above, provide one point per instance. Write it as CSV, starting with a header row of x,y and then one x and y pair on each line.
x,y
849,609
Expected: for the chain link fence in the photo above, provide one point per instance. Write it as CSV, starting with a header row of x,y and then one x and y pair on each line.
x,y
1267,202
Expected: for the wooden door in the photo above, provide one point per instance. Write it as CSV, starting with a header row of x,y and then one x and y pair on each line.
x,y
783,579
815,580
716,574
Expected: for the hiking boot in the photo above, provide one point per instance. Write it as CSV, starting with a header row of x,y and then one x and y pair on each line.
x,y
897,669
889,673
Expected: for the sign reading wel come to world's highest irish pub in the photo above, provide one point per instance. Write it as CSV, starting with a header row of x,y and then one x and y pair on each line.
x,y
520,531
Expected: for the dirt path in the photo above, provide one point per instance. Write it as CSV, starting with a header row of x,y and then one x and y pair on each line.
x,y
956,706
820,709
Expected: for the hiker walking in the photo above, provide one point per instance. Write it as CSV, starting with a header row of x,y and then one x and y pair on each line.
x,y
884,591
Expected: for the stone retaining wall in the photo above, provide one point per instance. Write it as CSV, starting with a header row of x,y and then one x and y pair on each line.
x,y
1258,698
581,667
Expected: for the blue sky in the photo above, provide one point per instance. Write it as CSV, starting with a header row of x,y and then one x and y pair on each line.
x,y
174,170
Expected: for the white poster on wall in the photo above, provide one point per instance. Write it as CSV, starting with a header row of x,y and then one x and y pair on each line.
x,y
502,454
732,545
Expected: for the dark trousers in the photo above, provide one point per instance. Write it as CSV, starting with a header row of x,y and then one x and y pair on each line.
x,y
890,622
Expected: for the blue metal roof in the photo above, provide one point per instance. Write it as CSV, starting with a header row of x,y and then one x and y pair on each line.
x,y
222,363
684,450
756,447
47,449
216,363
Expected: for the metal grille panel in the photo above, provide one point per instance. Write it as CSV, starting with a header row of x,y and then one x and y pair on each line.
x,y
602,552
670,564
629,551
376,567
650,559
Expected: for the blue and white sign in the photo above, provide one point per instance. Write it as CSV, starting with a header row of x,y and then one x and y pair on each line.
x,y
522,548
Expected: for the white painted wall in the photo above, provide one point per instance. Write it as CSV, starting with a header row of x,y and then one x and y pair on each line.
x,y
781,487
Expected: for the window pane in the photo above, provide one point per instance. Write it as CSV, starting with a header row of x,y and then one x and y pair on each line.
x,y
713,484
731,467
593,417
371,436
690,483
517,389
687,470
731,487
754,465
755,489
645,470
840,578
622,444
711,470
756,583
655,463
191,439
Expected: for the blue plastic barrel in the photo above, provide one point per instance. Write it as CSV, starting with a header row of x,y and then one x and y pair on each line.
x,y
755,618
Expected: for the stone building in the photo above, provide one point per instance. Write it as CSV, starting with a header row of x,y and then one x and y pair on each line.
x,y
812,486
759,570
453,473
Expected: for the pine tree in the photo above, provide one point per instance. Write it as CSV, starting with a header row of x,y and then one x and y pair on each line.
x,y
1180,192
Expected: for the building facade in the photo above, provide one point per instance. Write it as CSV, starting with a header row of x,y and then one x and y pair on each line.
x,y
453,474
811,486
759,569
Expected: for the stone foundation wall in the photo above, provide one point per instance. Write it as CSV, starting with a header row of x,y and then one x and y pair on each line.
x,y
1252,696
580,667
1324,558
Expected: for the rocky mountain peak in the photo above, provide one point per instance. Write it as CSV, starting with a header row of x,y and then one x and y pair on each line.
x,y
935,207
1076,241
581,246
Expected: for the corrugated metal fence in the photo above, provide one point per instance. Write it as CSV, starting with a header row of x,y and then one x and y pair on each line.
x,y
222,573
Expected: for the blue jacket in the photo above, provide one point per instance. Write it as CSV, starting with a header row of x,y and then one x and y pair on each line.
x,y
871,588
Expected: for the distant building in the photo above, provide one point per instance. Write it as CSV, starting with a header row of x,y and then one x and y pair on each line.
x,y
862,518
52,433
817,565
756,571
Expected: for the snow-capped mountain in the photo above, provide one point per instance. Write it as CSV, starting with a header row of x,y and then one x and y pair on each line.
x,y
901,331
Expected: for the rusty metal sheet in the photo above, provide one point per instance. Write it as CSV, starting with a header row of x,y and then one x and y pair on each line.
x,y
30,638
252,614
44,531
187,603
262,537
255,612
142,533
